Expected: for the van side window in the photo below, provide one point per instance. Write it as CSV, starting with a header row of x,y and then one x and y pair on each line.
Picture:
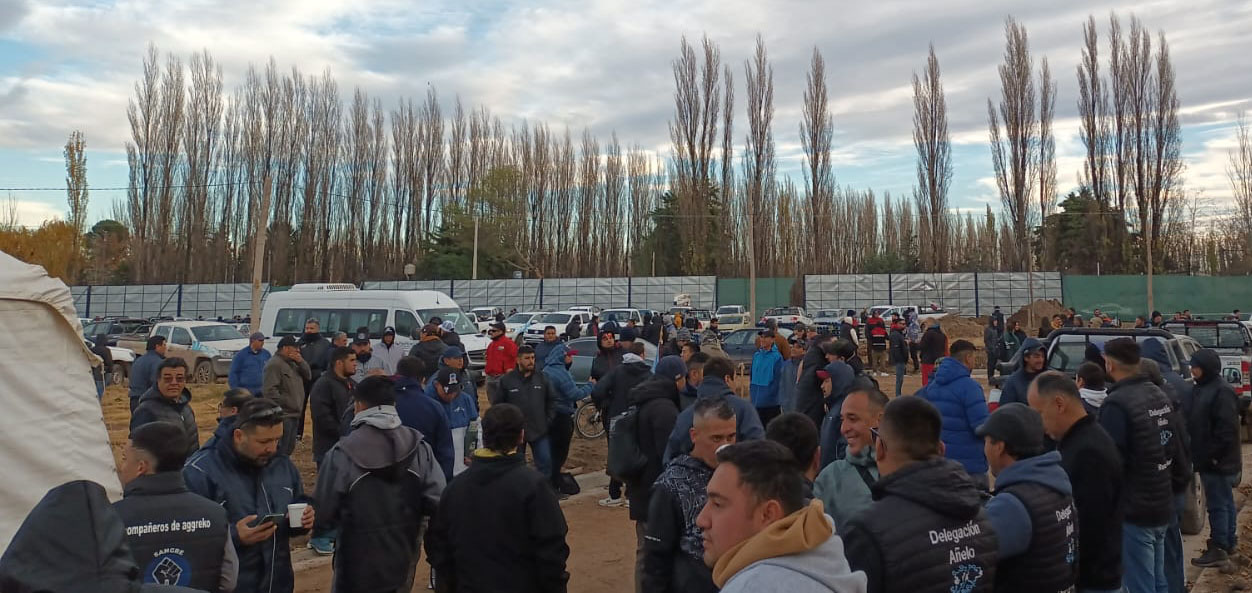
x,y
181,337
290,322
406,324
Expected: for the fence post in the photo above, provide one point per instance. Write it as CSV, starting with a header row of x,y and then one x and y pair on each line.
x,y
890,291
178,308
977,302
630,292
452,289
541,293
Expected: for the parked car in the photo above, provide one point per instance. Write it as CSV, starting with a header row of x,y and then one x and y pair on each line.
x,y
587,348
122,359
787,316
741,344
731,310
344,307
116,328
518,321
733,322
924,312
534,333
828,319
591,309
1233,343
206,346
484,317
621,316
702,315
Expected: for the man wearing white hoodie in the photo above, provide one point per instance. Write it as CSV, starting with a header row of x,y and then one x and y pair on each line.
x,y
760,537
1090,382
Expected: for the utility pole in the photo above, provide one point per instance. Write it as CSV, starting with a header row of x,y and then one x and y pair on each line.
x,y
751,269
1148,242
260,222
474,272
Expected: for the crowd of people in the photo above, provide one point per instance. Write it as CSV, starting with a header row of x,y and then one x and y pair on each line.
x,y
817,481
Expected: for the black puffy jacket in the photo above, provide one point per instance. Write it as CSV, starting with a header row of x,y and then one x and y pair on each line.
x,y
1138,417
605,361
1214,421
611,393
193,557
1155,350
673,548
657,399
810,400
925,531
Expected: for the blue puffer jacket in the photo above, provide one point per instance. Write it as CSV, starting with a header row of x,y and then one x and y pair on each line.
x,y
244,489
568,392
964,408
766,377
463,409
246,369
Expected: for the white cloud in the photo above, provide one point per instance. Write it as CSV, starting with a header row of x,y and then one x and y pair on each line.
x,y
29,213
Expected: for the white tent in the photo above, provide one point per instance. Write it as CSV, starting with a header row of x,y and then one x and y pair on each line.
x,y
51,425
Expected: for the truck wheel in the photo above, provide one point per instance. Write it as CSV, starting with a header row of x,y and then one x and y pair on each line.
x,y
1194,514
117,374
204,372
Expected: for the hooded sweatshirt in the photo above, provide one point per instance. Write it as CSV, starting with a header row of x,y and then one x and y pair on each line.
x,y
833,443
766,374
1182,395
376,485
561,382
844,486
1092,399
799,552
1008,513
748,422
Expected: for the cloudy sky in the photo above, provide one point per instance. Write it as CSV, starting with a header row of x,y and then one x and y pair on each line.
x,y
604,65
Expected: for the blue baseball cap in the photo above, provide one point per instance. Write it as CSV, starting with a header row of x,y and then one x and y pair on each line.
x,y
453,352
671,367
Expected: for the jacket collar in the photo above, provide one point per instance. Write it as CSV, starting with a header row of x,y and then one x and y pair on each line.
x,y
156,484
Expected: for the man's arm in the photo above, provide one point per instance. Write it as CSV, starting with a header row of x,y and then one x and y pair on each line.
x,y
302,367
332,484
236,367
863,555
602,392
272,382
439,553
431,473
498,395
1011,522
660,542
230,568
1224,414
551,391
976,411
1113,420
547,540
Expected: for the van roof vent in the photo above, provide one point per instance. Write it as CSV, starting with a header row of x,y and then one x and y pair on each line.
x,y
321,287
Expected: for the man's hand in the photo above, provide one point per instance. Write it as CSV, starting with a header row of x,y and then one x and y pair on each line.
x,y
297,356
306,520
254,535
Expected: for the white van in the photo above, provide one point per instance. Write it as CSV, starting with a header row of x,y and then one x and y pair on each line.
x,y
344,308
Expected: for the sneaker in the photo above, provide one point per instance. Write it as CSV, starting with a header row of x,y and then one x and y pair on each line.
x,y
1213,556
323,546
613,502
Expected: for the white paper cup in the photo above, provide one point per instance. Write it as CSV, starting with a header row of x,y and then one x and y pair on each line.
x,y
295,514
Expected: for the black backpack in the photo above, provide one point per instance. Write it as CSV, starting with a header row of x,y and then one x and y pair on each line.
x,y
626,459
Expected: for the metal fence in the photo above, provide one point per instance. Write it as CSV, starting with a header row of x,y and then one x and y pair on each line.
x,y
558,293
175,300
970,294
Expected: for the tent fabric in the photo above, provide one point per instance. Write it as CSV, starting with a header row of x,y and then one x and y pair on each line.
x,y
52,429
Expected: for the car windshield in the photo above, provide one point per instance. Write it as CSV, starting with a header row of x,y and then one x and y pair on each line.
x,y
555,318
519,318
827,313
618,315
702,314
216,333
730,319
464,325
783,311
729,309
1071,350
482,314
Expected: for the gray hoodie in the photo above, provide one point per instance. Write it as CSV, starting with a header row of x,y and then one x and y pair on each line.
x,y
821,569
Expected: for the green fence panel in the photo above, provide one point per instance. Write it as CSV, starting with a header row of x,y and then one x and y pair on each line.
x,y
1127,296
770,292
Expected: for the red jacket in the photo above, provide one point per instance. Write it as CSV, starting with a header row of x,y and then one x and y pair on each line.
x,y
501,356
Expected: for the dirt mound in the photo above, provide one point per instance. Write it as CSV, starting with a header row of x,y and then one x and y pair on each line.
x,y
1038,309
961,328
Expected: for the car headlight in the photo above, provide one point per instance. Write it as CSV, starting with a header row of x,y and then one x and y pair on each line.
x,y
226,353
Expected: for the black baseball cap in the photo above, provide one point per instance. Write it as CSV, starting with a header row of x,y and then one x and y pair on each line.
x,y
362,336
1017,426
287,341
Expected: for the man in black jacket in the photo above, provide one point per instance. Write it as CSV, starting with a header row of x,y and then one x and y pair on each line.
x,y
330,398
471,548
810,400
1094,467
313,349
933,346
657,400
168,400
673,546
926,530
1138,417
155,496
375,488
528,389
1214,428
610,397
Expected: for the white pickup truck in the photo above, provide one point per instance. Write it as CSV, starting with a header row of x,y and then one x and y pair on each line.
x,y
208,347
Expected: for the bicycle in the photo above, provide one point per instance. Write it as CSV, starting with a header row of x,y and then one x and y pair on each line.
x,y
587,420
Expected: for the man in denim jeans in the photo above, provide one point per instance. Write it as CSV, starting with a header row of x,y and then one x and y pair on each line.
x,y
1137,416
1214,427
